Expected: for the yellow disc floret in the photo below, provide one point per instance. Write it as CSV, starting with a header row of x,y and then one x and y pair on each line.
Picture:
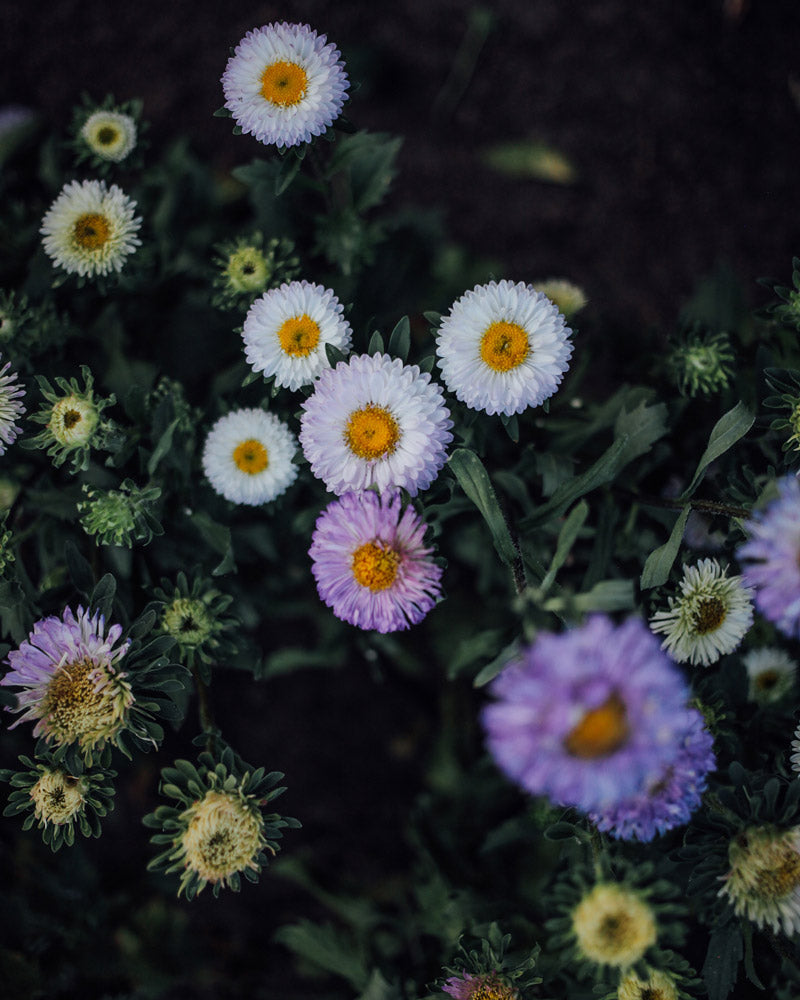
x,y
658,986
85,703
613,925
284,83
91,231
251,456
58,797
247,270
504,346
374,566
224,833
372,432
298,336
601,731
72,421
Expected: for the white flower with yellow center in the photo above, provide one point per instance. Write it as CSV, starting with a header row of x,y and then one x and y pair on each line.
x,y
73,420
286,330
658,986
373,421
763,883
284,84
503,347
110,135
613,925
248,457
223,835
770,673
709,618
90,228
58,797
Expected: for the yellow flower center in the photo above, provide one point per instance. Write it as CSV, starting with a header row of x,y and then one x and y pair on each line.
x,y
188,621
374,566
504,346
372,432
299,336
91,231
222,837
247,270
493,989
600,732
283,83
251,457
659,986
57,797
107,135
81,704
766,680
613,926
708,616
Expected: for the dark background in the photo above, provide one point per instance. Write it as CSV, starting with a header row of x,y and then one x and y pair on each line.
x,y
680,120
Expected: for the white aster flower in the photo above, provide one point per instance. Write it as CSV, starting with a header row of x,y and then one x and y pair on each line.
x,y
284,84
286,330
373,421
763,882
709,618
503,347
248,457
110,135
770,673
11,406
90,228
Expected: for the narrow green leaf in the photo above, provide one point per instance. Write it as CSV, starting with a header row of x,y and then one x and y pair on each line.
x,y
607,595
721,967
659,563
474,481
495,666
376,343
566,539
400,339
730,427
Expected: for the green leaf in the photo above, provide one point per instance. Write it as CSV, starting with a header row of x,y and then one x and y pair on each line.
x,y
327,948
730,427
498,664
163,445
640,429
79,569
659,563
721,967
566,539
368,158
376,343
474,481
607,595
400,339
218,538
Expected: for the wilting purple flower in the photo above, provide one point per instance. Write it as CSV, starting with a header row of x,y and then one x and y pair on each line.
x,y
670,800
589,717
370,562
486,987
771,558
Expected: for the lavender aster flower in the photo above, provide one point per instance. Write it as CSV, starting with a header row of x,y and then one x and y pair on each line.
x,y
486,987
589,717
771,558
370,563
72,686
10,406
373,421
672,797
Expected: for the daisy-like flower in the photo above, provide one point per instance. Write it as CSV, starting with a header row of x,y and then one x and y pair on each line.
x,y
11,406
591,717
110,135
770,672
485,987
770,558
613,925
658,986
763,882
567,297
670,799
286,331
248,457
709,618
370,562
373,421
284,84
90,229
71,683
503,347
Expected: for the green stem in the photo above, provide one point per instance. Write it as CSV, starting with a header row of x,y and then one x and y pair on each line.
x,y
675,503
204,709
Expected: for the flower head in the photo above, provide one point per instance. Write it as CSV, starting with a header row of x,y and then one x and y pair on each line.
x,y
591,717
374,421
658,986
216,832
284,84
482,987
286,331
90,229
771,674
109,135
371,564
503,347
709,618
763,880
702,363
194,615
11,407
71,683
248,457
120,517
567,297
246,267
795,756
671,797
613,925
770,558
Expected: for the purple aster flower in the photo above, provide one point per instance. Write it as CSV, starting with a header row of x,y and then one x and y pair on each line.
x,y
589,717
486,987
370,563
68,670
373,421
771,558
670,800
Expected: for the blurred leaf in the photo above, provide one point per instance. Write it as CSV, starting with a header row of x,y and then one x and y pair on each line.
x,y
368,158
530,158
328,948
566,539
721,967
